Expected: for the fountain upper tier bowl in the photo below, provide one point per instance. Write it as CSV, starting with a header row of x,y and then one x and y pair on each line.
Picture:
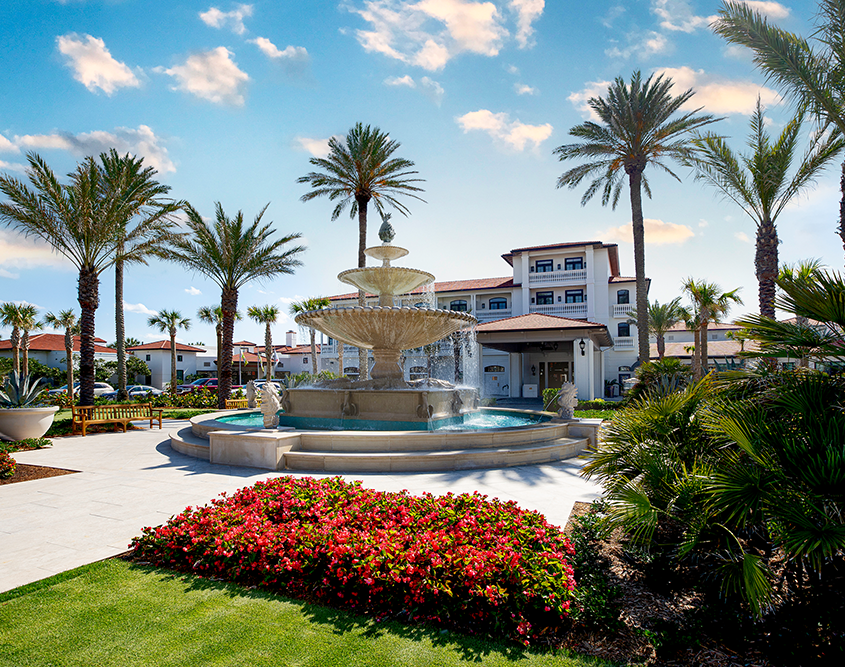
x,y
386,281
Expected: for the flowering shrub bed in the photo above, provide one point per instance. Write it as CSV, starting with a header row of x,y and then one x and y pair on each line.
x,y
7,466
462,562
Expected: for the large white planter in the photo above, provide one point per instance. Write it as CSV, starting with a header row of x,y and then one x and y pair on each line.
x,y
22,423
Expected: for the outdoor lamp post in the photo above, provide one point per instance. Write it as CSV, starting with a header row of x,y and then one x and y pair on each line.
x,y
583,347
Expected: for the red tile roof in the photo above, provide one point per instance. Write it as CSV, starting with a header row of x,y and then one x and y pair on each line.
x,y
535,322
449,286
243,342
723,326
623,279
165,345
45,342
718,349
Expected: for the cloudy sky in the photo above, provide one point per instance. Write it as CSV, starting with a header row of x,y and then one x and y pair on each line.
x,y
228,101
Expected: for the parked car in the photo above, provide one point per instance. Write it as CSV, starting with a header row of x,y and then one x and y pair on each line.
x,y
135,391
210,383
260,383
100,388
63,390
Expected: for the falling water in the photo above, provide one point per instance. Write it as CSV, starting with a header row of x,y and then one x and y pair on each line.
x,y
470,357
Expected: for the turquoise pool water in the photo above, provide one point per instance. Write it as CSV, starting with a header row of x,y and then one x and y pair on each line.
x,y
479,420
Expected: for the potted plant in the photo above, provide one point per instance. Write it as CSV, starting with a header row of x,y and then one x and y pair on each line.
x,y
21,416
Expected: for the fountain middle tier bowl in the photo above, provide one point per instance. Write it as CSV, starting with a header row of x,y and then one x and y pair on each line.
x,y
386,280
386,328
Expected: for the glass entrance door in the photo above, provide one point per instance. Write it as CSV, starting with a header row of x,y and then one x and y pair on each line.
x,y
558,373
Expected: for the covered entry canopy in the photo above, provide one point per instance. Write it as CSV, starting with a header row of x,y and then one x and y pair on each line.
x,y
533,332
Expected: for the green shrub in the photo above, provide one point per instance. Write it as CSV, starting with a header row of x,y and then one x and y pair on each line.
x,y
25,445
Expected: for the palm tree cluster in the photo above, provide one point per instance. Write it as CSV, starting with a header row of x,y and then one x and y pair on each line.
x,y
169,321
304,306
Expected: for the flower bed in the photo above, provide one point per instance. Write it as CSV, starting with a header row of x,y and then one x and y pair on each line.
x,y
462,562
7,465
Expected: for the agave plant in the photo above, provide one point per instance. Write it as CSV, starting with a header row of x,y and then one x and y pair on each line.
x,y
20,391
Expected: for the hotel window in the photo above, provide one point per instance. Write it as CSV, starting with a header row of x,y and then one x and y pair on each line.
x,y
623,330
206,363
494,369
351,371
623,296
418,373
544,266
545,298
498,304
574,296
304,360
573,263
178,357
148,357
460,305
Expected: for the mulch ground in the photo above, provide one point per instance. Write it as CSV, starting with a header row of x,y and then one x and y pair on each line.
x,y
25,473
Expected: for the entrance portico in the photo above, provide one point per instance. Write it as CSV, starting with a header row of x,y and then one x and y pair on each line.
x,y
544,351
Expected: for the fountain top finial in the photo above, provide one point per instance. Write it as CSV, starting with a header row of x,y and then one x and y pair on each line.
x,y
386,232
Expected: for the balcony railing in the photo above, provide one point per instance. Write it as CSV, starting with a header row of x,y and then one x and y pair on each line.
x,y
558,277
488,315
623,343
562,309
622,309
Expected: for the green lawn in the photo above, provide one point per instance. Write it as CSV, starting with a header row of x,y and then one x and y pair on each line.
x,y
117,613
62,420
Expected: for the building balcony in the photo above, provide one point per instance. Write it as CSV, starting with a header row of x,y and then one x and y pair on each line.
x,y
557,277
489,315
622,309
576,310
626,343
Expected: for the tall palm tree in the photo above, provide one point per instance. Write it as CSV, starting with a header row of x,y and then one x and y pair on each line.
x,y
266,315
11,316
232,254
314,303
661,318
28,322
83,222
811,76
66,319
710,304
638,128
760,184
214,315
360,169
170,321
141,197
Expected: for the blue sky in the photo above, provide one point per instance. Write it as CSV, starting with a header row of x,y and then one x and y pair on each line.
x,y
228,101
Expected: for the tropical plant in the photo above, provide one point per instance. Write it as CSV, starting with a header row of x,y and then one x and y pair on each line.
x,y
232,254
169,321
812,76
709,304
636,129
66,319
661,318
140,199
314,303
214,315
267,316
20,391
759,183
663,376
360,169
11,315
82,221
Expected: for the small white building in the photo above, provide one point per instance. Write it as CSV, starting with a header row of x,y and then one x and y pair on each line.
x,y
157,356
49,349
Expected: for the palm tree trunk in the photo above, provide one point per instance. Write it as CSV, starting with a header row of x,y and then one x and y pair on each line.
x,y
173,361
219,330
25,353
229,306
635,182
268,346
16,350
696,354
89,300
703,358
842,205
340,345
120,328
661,346
456,350
766,266
313,352
363,370
69,362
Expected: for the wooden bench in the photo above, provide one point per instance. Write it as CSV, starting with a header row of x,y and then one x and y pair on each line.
x,y
85,415
241,403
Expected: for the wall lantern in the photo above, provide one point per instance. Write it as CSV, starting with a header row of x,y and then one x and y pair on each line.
x,y
533,369
583,347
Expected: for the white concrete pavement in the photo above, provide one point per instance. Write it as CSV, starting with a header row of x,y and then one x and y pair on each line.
x,y
133,480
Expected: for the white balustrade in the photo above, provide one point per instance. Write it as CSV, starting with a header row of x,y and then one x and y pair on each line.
x,y
562,309
622,309
623,343
558,277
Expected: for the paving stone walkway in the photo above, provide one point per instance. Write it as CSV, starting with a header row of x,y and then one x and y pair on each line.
x,y
132,480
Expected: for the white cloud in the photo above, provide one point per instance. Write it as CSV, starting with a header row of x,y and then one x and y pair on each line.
x,y
317,147
512,69
524,89
432,90
7,146
657,232
527,12
138,308
703,223
612,14
581,99
429,33
92,64
640,45
718,95
677,16
773,10
406,80
193,291
22,252
8,274
742,236
214,18
211,75
12,166
141,141
499,126
294,59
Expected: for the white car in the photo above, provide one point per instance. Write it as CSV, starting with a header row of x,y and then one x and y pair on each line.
x,y
100,388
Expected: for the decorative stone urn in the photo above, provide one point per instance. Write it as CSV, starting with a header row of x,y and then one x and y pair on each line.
x,y
23,423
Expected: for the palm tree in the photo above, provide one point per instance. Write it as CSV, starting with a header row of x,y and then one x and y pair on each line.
x,y
314,303
637,129
710,303
11,316
214,315
759,184
232,254
66,319
812,76
357,170
28,322
140,197
661,318
82,221
170,321
265,315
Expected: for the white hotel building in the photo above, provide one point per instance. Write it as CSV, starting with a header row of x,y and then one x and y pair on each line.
x,y
561,316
